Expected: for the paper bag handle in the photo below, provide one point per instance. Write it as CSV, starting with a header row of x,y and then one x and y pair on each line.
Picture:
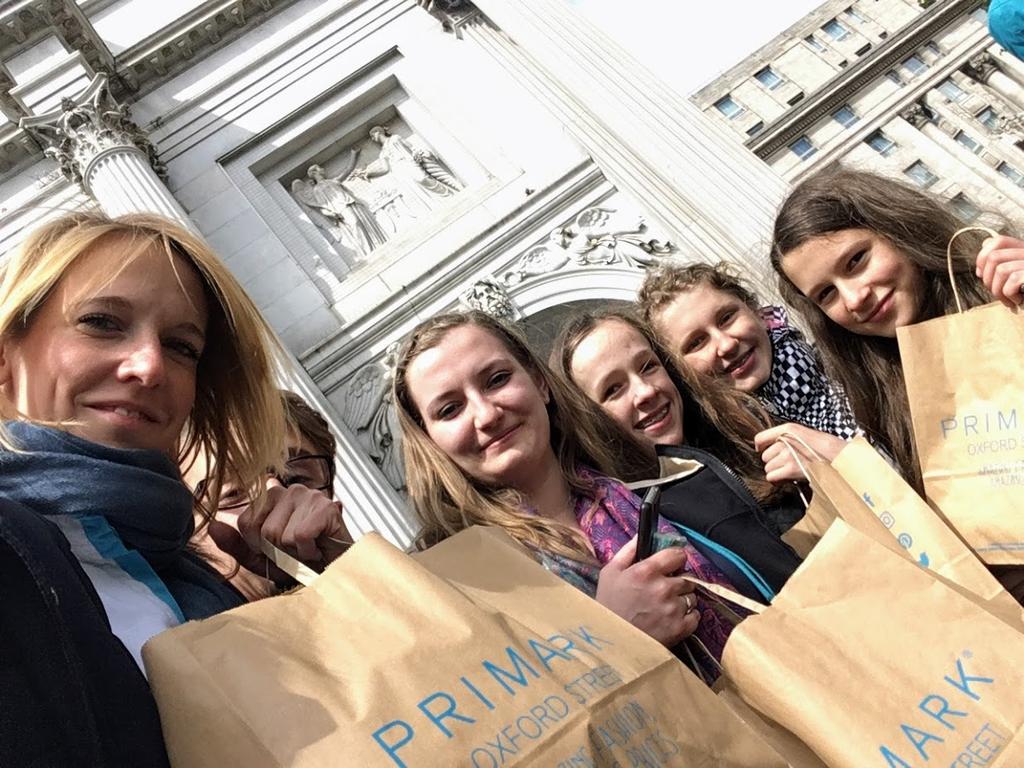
x,y
724,593
295,568
949,258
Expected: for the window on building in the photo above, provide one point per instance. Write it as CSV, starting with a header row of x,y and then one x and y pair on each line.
x,y
1011,173
989,118
881,143
814,42
845,116
966,140
951,90
755,129
921,175
914,65
769,78
932,46
803,148
964,208
728,107
854,15
835,30
893,75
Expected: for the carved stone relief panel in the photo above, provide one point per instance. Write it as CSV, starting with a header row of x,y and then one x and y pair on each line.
x,y
599,236
370,413
375,189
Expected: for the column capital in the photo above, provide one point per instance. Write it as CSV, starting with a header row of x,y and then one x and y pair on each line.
x,y
453,14
981,67
917,114
87,127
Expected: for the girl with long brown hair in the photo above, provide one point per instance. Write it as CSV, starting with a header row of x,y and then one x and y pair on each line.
x,y
615,360
859,255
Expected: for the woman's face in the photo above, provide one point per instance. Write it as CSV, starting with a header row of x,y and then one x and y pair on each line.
x,y
483,409
717,334
859,280
617,369
118,364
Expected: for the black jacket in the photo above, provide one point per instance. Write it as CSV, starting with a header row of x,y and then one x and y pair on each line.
x,y
70,693
715,503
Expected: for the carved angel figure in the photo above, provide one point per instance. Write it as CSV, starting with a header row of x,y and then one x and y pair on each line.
x,y
351,221
369,411
418,173
603,236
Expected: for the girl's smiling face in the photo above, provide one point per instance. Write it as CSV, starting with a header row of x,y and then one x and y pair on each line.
x,y
617,369
858,279
482,408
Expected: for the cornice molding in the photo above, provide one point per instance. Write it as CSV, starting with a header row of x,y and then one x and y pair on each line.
x,y
846,84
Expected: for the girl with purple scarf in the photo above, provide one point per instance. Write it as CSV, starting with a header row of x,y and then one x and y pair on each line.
x,y
492,437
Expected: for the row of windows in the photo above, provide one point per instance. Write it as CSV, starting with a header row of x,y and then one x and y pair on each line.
x,y
804,147
878,141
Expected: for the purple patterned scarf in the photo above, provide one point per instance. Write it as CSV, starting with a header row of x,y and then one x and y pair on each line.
x,y
609,517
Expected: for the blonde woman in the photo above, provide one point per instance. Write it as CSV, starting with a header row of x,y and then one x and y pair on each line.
x,y
125,345
491,437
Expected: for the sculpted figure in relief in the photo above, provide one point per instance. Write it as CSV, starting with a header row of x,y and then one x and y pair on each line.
x,y
349,219
369,411
416,177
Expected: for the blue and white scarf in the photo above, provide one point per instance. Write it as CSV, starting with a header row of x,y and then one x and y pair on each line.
x,y
127,516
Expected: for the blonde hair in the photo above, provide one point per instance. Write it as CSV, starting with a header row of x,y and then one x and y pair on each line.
x,y
447,500
237,422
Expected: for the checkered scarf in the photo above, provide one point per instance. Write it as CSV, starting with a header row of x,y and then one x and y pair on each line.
x,y
797,388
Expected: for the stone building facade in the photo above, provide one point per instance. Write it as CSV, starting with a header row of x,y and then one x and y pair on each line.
x,y
363,164
919,93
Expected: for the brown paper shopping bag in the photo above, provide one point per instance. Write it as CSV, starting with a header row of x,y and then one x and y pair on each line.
x,y
870,660
918,529
965,384
471,655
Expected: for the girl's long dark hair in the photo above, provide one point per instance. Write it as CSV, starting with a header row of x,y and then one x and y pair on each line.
x,y
920,227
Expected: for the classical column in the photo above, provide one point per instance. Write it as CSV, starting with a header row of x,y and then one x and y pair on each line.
x,y
97,145
983,69
705,188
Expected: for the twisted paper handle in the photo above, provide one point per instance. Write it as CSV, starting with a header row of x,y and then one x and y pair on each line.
x,y
949,258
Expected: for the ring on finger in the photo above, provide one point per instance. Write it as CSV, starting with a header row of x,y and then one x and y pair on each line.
x,y
689,601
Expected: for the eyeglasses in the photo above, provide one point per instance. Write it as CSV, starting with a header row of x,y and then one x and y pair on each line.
x,y
313,471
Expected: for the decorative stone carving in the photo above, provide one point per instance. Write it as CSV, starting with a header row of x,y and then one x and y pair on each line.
x,y
408,180
917,114
453,14
370,412
980,67
1010,125
88,126
603,236
596,236
346,218
364,206
489,295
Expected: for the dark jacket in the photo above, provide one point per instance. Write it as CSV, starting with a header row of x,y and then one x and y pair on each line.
x,y
715,503
71,693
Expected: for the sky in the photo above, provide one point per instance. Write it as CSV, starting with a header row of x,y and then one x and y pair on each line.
x,y
689,43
